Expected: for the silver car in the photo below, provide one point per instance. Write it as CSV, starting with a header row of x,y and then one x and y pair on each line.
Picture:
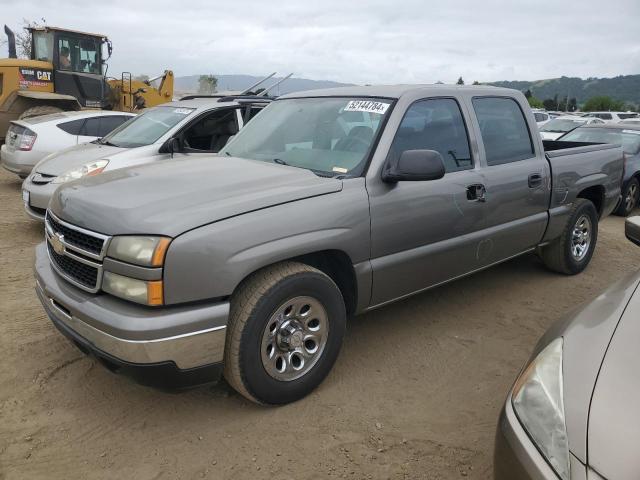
x,y
183,128
573,412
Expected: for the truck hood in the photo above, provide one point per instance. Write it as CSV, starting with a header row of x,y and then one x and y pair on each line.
x,y
179,195
614,418
64,160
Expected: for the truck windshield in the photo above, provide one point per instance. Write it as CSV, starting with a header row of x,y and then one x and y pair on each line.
x,y
561,125
629,139
147,128
330,136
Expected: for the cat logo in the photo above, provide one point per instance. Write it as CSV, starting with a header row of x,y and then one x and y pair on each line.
x,y
43,76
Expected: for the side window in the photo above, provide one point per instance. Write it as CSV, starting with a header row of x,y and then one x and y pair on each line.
x,y
251,112
91,127
504,130
211,132
110,123
435,124
72,127
539,117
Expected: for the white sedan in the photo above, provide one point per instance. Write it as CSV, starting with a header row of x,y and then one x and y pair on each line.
x,y
30,140
559,126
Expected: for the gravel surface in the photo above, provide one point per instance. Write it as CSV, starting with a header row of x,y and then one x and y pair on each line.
x,y
415,393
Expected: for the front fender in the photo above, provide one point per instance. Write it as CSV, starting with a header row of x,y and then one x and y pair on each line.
x,y
211,261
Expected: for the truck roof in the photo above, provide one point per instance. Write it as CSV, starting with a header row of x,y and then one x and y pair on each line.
x,y
397,91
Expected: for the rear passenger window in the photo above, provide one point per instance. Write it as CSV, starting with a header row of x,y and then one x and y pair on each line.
x,y
438,125
72,127
504,130
110,123
91,128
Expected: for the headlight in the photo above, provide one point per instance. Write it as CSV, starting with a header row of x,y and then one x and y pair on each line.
x,y
145,251
91,168
139,291
538,402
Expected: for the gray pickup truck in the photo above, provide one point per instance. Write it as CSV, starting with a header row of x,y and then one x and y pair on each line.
x,y
328,204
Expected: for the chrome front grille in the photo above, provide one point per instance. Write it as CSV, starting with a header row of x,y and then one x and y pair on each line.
x,y
75,253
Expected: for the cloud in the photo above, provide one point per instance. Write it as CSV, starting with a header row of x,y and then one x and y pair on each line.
x,y
403,41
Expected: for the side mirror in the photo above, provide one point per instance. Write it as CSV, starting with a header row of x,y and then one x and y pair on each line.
x,y
632,229
171,146
414,165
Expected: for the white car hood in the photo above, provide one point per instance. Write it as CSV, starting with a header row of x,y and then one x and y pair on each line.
x,y
59,162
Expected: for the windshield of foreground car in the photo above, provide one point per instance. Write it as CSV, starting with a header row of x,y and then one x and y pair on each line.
x,y
330,136
561,125
629,139
147,127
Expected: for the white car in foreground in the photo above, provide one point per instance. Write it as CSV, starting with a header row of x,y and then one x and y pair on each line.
x,y
559,126
30,140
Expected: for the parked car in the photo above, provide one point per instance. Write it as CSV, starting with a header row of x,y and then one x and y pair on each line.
x,y
630,122
557,127
629,137
329,203
613,117
30,140
196,126
541,116
573,411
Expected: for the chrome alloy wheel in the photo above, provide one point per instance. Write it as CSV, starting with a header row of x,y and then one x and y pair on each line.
x,y
294,338
630,198
581,238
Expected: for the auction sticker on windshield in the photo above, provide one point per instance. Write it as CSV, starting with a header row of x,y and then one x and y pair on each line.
x,y
183,111
367,106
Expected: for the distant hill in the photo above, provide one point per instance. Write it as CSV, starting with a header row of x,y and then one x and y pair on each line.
x,y
240,82
623,87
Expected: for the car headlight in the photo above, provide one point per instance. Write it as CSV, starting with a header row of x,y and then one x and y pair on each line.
x,y
139,250
537,399
91,168
132,289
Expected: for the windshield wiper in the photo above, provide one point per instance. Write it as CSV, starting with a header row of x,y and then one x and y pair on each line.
x,y
279,161
107,142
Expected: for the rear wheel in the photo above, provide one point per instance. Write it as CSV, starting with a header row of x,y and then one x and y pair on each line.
x,y
629,198
285,331
40,110
572,252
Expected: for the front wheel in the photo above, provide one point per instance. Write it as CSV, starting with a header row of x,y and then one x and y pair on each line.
x,y
285,331
571,253
629,198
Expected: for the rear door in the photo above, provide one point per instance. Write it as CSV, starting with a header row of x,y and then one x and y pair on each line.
x,y
427,232
515,179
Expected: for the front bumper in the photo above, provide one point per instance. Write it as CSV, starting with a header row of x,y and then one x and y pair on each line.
x,y
181,342
516,457
39,196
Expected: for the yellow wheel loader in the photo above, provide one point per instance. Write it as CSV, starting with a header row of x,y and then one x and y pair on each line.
x,y
67,71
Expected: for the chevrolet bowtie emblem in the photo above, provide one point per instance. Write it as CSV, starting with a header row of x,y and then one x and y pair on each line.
x,y
56,243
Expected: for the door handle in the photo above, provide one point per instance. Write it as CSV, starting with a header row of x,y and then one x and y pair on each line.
x,y
476,193
535,180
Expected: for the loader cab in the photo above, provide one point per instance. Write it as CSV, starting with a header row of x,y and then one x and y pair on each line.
x,y
77,60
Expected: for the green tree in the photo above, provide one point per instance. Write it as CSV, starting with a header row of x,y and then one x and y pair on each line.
x,y
573,105
207,84
460,81
476,82
528,93
602,102
535,102
549,104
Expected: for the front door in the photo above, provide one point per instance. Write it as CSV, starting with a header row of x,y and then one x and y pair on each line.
x,y
426,232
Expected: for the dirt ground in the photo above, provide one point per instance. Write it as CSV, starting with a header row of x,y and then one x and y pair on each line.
x,y
415,393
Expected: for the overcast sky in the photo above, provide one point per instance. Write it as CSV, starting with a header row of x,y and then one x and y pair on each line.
x,y
390,41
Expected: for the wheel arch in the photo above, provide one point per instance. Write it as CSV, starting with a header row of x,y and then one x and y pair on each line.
x,y
595,194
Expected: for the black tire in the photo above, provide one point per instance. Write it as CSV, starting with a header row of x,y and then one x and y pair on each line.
x,y
629,199
558,256
40,110
252,307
